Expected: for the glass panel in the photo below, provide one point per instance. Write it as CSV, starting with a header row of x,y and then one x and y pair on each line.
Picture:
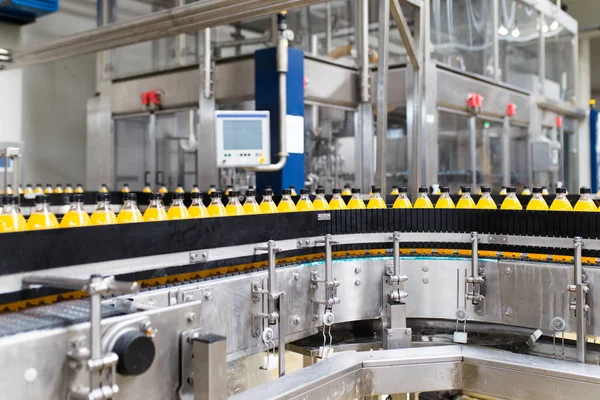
x,y
461,33
560,74
489,153
130,146
519,38
453,144
518,157
397,149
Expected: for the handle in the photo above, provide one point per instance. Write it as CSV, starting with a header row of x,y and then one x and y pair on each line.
x,y
159,181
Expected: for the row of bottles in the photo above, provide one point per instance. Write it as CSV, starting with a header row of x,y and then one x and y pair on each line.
x,y
39,189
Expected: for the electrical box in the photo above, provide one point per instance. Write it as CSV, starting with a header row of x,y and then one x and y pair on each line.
x,y
545,154
243,138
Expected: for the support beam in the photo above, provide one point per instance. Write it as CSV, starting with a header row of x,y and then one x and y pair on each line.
x,y
402,25
382,94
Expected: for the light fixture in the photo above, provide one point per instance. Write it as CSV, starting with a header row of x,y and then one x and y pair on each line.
x,y
515,33
502,31
544,28
554,25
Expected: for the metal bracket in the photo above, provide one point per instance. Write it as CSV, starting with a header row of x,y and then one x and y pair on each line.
x,y
198,256
186,357
324,217
497,239
579,306
305,243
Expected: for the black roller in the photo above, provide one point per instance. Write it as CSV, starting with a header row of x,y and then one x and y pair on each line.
x,y
136,353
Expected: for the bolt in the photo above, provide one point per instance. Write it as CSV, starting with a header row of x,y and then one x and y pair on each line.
x,y
316,317
256,332
296,276
296,320
408,331
193,256
204,256
481,271
306,242
425,268
426,280
390,332
507,271
357,282
208,295
479,311
299,242
358,270
191,317
188,297
508,311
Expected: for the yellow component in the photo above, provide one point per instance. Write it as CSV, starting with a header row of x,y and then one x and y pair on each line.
x,y
58,189
320,203
444,201
545,191
487,253
76,216
21,191
526,191
304,204
585,202
592,102
147,189
178,211
39,189
42,220
511,202
538,257
234,207
79,189
195,189
212,189
156,214
251,206
216,208
503,192
346,191
446,252
286,204
293,190
537,202
12,221
125,188
568,259
103,217
402,201
509,254
376,201
336,203
163,190
48,189
465,201
28,189
127,216
561,204
356,203
179,189
425,252
395,191
103,189
423,200
9,190
69,189
268,206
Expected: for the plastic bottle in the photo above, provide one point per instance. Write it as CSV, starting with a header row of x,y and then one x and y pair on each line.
x,y
394,191
376,201
11,219
466,201
216,207
460,191
179,189
76,216
147,188
103,215
48,189
423,200
195,189
28,189
9,190
228,190
402,201
130,212
337,203
561,203
156,210
304,204
58,189
125,188
197,209
320,203
371,191
585,202
485,201
526,191
537,201
356,202
503,191
163,189
250,205
347,191
286,204
293,190
178,209
20,190
267,205
79,188
212,189
38,189
69,189
480,192
510,201
103,188
545,191
444,201
42,217
234,207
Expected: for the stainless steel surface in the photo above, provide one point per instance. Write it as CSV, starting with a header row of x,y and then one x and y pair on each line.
x,y
210,367
581,309
506,159
157,25
473,152
382,94
404,30
362,28
205,96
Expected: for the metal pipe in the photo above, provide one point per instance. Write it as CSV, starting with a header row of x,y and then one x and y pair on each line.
x,y
496,41
95,327
328,259
579,301
396,253
475,258
473,152
506,152
404,30
328,28
167,23
382,94
272,285
207,64
365,92
281,325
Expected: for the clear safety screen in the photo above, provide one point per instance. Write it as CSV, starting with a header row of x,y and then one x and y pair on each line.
x,y
242,134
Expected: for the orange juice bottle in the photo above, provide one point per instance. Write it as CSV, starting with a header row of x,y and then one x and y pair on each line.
x,y
11,219
178,209
38,189
59,189
510,201
163,189
371,191
304,204
179,189
336,202
466,201
320,202
69,189
212,189
28,189
76,216
286,204
356,202
197,209
293,190
250,205
147,188
125,188
376,201
156,210
395,191
485,201
103,214
216,207
503,191
195,188
9,190
545,191
234,207
444,201
48,189
561,203
585,202
347,191
103,188
42,217
402,201
79,188
537,201
267,205
130,212
228,190
526,191
423,200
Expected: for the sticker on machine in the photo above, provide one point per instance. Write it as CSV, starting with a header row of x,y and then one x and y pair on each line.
x,y
295,134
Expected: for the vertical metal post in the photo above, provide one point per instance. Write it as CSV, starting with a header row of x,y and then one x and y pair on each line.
x,y
6,169
281,333
180,47
506,151
382,94
580,310
396,252
495,40
272,284
95,317
328,29
542,56
561,157
473,152
328,259
151,149
210,367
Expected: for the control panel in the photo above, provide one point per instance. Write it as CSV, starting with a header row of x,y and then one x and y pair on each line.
x,y
243,138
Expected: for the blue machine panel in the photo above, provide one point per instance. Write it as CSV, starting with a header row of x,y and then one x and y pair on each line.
x,y
26,11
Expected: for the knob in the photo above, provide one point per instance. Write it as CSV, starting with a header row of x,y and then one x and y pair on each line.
x,y
136,353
